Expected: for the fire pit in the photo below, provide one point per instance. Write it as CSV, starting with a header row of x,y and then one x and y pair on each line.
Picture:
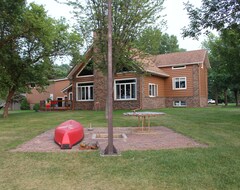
x,y
105,136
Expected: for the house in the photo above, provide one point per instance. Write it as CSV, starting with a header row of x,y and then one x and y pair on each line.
x,y
170,80
53,92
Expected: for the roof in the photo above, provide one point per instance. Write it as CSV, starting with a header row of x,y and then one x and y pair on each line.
x,y
148,64
57,80
182,58
66,88
150,67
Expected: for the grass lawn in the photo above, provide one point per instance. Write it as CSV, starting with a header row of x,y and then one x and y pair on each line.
x,y
215,167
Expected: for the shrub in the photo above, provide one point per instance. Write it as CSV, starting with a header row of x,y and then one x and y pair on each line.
x,y
36,107
24,105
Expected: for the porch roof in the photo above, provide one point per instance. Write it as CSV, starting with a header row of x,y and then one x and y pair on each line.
x,y
66,88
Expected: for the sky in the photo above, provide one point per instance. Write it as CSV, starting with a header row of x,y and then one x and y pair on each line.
x,y
176,18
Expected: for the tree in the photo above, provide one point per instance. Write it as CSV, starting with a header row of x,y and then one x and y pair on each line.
x,y
231,54
129,20
224,58
60,71
220,15
154,42
30,41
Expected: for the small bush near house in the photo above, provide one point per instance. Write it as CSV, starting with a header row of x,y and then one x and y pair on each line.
x,y
24,105
36,107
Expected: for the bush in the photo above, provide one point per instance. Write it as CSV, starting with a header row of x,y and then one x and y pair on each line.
x,y
24,105
36,107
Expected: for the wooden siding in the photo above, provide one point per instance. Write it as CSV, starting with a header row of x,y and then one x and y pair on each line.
x,y
154,80
188,73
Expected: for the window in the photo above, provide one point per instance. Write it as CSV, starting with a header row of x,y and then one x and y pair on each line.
x,y
87,70
125,89
179,83
70,96
179,67
85,91
153,90
179,104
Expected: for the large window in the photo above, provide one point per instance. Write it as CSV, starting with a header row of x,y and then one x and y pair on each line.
x,y
85,91
153,90
179,83
125,89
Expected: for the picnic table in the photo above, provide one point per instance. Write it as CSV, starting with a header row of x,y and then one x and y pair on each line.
x,y
142,116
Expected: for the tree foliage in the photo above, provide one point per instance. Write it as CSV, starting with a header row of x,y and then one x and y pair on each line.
x,y
30,41
224,58
130,18
154,42
219,15
60,71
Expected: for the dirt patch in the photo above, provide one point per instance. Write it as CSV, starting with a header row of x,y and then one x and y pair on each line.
x,y
155,139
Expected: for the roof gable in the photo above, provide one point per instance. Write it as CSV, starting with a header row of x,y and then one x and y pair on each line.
x,y
88,56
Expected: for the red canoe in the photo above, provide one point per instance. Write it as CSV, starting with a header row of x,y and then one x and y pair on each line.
x,y
68,134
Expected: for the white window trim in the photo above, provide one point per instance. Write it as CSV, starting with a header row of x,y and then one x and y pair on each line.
x,y
69,95
156,89
77,92
174,86
179,67
180,103
85,76
115,89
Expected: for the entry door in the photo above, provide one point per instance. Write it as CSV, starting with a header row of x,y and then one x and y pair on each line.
x,y
60,102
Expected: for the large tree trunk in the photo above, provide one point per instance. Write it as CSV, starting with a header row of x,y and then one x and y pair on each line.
x,y
8,102
236,97
216,98
225,97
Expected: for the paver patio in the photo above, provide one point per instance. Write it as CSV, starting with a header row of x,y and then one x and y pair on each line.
x,y
155,139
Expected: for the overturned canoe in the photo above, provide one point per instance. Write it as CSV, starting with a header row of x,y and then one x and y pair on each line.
x,y
68,134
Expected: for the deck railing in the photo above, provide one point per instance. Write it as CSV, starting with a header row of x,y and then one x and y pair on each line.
x,y
55,105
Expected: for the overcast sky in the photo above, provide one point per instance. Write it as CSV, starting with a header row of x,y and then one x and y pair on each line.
x,y
176,18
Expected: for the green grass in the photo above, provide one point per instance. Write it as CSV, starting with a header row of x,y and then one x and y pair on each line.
x,y
215,167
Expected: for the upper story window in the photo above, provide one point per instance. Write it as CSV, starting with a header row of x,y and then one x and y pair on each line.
x,y
179,67
125,89
85,91
179,83
153,90
87,70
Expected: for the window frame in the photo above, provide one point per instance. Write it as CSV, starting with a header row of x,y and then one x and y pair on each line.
x,y
79,99
70,96
178,67
125,86
179,81
181,103
154,88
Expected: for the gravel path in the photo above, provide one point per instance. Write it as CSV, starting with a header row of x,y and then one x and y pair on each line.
x,y
155,139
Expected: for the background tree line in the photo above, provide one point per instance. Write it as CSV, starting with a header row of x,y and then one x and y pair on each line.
x,y
224,50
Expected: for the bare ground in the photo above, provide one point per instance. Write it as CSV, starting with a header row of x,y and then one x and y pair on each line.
x,y
154,139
